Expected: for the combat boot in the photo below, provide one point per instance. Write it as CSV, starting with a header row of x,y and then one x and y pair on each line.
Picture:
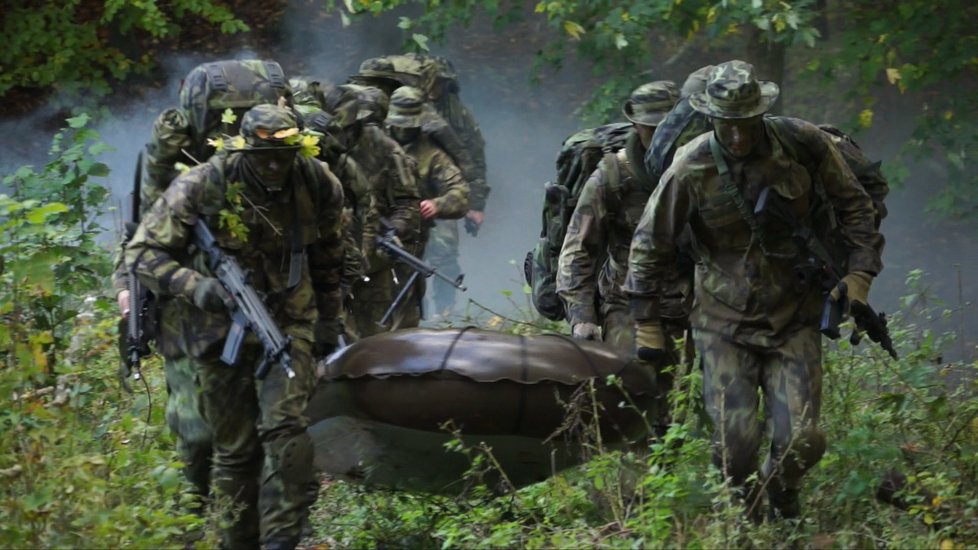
x,y
783,504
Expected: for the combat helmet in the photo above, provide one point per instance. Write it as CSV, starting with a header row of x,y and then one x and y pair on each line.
x,y
265,127
391,71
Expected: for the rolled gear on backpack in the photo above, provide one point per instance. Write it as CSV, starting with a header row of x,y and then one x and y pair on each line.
x,y
238,85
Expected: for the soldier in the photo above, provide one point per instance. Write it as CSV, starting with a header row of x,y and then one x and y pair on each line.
x,y
449,122
180,134
445,195
594,257
290,210
393,195
754,322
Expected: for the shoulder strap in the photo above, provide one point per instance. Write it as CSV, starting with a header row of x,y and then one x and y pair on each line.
x,y
276,77
730,188
614,181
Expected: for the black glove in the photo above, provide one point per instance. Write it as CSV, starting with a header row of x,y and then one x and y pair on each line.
x,y
210,295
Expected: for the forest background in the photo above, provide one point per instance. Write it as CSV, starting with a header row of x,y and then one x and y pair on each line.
x,y
88,466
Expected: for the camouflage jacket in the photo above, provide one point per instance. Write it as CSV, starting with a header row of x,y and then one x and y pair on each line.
x,y
453,111
594,257
741,291
439,178
166,260
393,178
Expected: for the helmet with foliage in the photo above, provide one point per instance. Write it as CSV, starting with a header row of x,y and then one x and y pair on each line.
x,y
269,127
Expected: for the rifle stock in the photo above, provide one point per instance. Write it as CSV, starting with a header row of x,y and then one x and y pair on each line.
x,y
873,324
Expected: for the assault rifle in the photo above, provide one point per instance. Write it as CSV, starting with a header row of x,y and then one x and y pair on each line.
x,y
249,312
140,320
388,241
819,263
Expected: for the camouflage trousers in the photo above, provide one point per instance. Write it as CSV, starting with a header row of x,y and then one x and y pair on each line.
x,y
262,453
183,416
442,253
370,301
790,379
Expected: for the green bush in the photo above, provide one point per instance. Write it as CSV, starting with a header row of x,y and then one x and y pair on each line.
x,y
81,463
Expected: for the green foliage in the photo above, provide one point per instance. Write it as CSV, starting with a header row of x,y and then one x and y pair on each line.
x,y
83,47
48,242
913,416
80,466
926,59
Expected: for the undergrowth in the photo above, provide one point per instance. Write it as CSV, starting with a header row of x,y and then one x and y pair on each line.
x,y
84,464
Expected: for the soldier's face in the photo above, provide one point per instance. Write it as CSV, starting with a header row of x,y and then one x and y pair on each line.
x,y
272,166
739,136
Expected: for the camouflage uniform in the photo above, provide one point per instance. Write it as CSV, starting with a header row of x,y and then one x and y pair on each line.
x,y
393,195
754,323
440,180
602,225
449,123
260,442
180,135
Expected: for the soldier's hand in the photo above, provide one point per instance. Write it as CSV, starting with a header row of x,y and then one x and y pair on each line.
x,y
396,241
210,295
476,217
856,288
428,209
650,341
585,331
122,298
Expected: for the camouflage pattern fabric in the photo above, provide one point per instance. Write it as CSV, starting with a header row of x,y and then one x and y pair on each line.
x,y
739,290
753,320
679,127
441,181
386,188
422,71
210,88
594,258
790,377
309,207
458,116
185,419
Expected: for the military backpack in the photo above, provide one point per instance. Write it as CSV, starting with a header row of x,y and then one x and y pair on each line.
x,y
180,134
579,156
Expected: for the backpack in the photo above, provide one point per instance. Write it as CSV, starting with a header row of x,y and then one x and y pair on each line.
x,y
868,174
180,134
579,156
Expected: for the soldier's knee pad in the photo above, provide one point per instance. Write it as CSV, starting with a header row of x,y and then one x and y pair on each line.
x,y
295,459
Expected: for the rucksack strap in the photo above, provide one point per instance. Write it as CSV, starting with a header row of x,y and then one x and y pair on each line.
x,y
730,189
276,77
614,182
215,75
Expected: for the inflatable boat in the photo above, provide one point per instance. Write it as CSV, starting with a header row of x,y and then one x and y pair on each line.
x,y
386,406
